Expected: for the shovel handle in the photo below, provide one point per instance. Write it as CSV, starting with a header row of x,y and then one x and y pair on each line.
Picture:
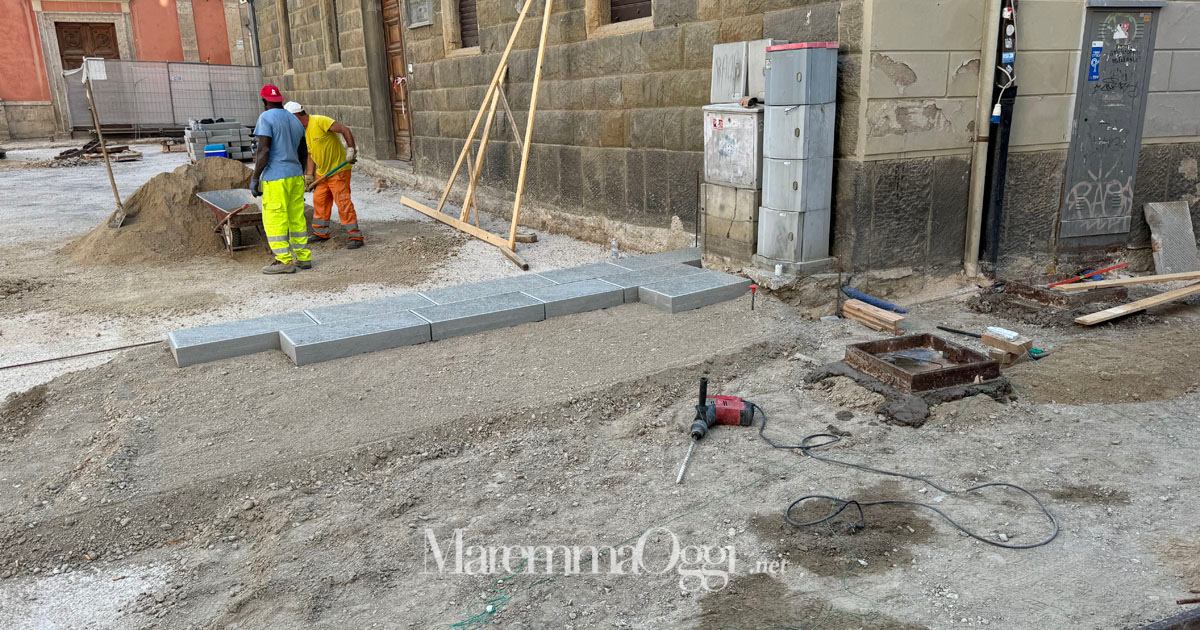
x,y
326,176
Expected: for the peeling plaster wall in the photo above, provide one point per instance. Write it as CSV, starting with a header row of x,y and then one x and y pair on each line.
x,y
902,196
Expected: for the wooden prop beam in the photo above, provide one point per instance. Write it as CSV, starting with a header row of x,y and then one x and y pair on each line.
x,y
533,102
493,98
495,82
1140,305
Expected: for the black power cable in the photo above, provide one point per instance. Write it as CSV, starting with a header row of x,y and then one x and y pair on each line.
x,y
816,441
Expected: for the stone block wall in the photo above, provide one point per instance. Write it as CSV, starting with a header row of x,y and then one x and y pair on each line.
x,y
27,120
1051,37
619,129
333,87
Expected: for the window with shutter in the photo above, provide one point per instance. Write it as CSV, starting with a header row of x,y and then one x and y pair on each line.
x,y
468,22
626,10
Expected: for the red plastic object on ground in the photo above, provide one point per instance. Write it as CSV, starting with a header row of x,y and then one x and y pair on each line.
x,y
1087,275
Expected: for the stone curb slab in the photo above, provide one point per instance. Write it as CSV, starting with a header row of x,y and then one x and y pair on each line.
x,y
488,313
477,290
584,272
694,291
232,339
690,256
634,279
313,344
578,297
370,308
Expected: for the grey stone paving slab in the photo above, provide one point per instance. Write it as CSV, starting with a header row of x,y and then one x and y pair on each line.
x,y
579,297
584,272
232,339
486,313
690,256
632,280
368,308
313,344
476,290
694,291
1172,237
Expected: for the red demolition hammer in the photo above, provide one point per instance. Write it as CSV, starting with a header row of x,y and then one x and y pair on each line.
x,y
714,410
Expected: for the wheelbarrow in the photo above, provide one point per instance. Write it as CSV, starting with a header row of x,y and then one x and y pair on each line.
x,y
235,210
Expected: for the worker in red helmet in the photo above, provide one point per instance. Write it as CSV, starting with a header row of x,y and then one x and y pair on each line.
x,y
279,180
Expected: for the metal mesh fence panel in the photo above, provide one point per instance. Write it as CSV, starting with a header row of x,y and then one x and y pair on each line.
x,y
158,95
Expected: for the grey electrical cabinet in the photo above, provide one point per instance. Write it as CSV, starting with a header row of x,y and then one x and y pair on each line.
x,y
798,185
1112,90
799,132
733,137
786,236
756,66
802,74
729,72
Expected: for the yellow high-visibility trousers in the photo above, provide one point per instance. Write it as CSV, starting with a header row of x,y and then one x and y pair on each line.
x,y
283,219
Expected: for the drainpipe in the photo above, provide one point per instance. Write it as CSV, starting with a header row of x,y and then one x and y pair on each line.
x,y
253,34
983,124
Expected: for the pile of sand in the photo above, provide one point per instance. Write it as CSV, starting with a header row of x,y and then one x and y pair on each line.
x,y
164,219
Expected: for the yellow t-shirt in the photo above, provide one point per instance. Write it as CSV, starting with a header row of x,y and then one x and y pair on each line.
x,y
324,146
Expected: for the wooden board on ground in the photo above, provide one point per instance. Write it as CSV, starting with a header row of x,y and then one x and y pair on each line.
x,y
872,317
1126,282
1140,305
1019,346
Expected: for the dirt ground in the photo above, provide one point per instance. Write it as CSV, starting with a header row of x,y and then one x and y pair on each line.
x,y
253,494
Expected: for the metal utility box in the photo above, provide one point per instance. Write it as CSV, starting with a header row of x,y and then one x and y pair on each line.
x,y
802,74
729,81
799,132
756,66
733,137
793,236
1112,90
798,185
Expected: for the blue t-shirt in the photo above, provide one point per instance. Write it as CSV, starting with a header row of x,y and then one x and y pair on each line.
x,y
286,134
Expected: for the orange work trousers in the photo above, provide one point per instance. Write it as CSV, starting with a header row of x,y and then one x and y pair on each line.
x,y
335,189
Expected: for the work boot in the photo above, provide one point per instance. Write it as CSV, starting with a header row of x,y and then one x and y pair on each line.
x,y
354,244
316,238
304,264
278,268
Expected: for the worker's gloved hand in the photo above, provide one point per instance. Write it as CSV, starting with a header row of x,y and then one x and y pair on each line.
x,y
309,179
255,187
351,154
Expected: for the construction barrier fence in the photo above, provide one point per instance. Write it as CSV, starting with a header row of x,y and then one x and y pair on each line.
x,y
159,95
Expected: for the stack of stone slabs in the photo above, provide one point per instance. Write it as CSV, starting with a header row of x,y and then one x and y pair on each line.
x,y
671,281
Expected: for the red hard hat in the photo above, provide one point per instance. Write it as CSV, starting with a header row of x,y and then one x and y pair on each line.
x,y
271,94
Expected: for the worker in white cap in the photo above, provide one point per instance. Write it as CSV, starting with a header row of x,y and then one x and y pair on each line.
x,y
324,137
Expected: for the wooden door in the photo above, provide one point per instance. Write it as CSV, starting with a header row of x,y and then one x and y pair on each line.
x,y
393,26
77,40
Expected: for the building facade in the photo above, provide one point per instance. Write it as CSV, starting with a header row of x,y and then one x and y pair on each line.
x,y
39,39
618,139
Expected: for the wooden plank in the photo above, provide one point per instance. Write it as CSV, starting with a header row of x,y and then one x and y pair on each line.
x,y
1126,282
1140,305
861,316
874,311
469,201
1018,347
872,317
454,222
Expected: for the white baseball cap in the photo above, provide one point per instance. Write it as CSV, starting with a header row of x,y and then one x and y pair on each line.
x,y
293,107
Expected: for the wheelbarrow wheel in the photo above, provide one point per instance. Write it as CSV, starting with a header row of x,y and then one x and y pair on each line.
x,y
233,237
